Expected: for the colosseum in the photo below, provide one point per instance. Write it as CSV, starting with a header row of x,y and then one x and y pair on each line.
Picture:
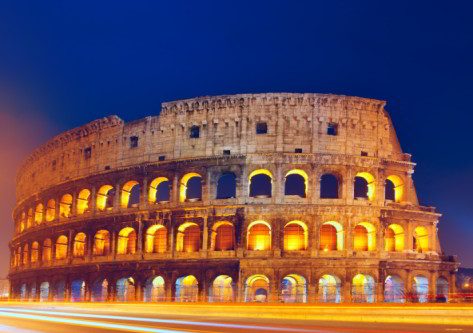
x,y
243,198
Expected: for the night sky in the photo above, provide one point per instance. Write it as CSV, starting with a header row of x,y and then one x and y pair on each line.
x,y
63,64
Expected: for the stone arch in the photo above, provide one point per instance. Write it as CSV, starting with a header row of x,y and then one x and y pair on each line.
x,y
257,288
59,291
421,240
34,252
363,289
78,290
223,236
187,289
259,236
365,237
329,289
80,245
65,206
130,195
394,188
420,288
51,210
260,183
188,237
44,291
99,290
191,191
83,201
47,250
296,183
441,291
105,198
38,216
154,289
156,240
331,236
61,247
101,245
329,186
23,222
222,289
294,289
365,186
23,292
126,241
29,218
226,186
125,288
394,238
25,254
393,289
296,236
159,190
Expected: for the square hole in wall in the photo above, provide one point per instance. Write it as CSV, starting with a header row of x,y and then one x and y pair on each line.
x,y
332,129
364,153
226,152
261,128
194,132
88,153
161,158
298,150
134,142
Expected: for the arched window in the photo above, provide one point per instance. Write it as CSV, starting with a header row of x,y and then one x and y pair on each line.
x,y
125,290
259,236
34,252
260,183
363,289
295,236
420,287
188,238
389,191
29,218
191,187
80,245
154,290
329,289
105,197
393,289
331,236
394,189
38,217
65,206
101,243
47,250
223,236
226,187
294,289
61,247
44,292
126,241
130,197
156,239
421,240
159,190
100,291
25,254
51,210
222,289
59,291
257,288
365,186
18,256
296,183
23,222
83,202
329,187
442,290
78,291
394,238
187,289
365,237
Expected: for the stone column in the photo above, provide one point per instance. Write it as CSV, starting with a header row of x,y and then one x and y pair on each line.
x,y
433,238
432,286
203,287
117,198
74,204
206,188
93,201
138,291
380,291
313,290
90,238
114,244
274,286
57,209
205,236
10,292
175,193
112,290
349,237
408,283
144,194
380,238
168,288
38,290
347,290
277,186
69,245
408,239
139,245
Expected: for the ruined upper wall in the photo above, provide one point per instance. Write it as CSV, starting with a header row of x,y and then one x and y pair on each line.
x,y
294,121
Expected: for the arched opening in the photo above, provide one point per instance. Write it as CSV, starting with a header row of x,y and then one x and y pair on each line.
x,y
130,197
297,183
363,289
44,292
294,289
330,289
221,290
188,238
126,241
257,288
32,296
223,236
100,291
441,290
420,288
393,289
59,291
29,218
226,186
259,236
105,198
331,236
38,216
23,292
365,186
25,254
187,289
80,248
154,290
34,252
23,222
18,256
394,189
295,236
394,238
78,291
51,210
421,240
156,239
159,190
260,183
101,243
65,206
329,188
47,250
191,187
83,202
365,237
125,290
61,247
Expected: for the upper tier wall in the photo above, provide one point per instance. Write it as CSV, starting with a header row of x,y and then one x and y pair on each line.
x,y
226,123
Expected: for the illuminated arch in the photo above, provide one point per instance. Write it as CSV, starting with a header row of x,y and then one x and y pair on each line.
x,y
184,181
329,289
294,289
421,240
61,247
420,287
34,252
51,210
251,186
25,254
398,187
126,241
363,289
222,289
370,185
65,206
188,238
154,289
296,236
187,289
80,248
29,218
44,292
257,288
127,194
47,250
105,197
223,238
99,292
393,289
300,173
125,290
331,236
23,222
154,187
156,239
259,236
394,238
78,291
38,216
83,201
101,243
441,290
365,237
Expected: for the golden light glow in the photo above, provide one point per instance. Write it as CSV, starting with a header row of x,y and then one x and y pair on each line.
x,y
398,187
183,188
156,239
102,197
126,192
222,236
304,175
187,288
256,283
25,254
365,237
65,205
34,252
29,218
188,238
421,237
101,243
79,245
259,236
260,172
153,188
331,238
371,184
295,236
38,217
61,247
126,241
47,250
83,202
394,238
51,210
222,289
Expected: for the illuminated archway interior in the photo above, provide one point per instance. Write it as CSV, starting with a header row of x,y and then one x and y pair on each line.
x,y
295,236
61,247
395,190
363,289
296,183
365,186
259,236
159,190
83,202
294,289
100,291
154,289
51,210
79,249
187,191
260,183
420,287
105,197
188,238
101,245
125,290
222,289
187,289
130,196
393,289
421,240
329,289
257,288
156,239
126,241
365,237
65,206
331,236
394,238
222,236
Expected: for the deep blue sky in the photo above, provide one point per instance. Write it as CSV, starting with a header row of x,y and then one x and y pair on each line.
x,y
63,64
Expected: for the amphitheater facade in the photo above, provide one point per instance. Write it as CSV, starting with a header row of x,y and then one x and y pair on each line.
x,y
254,197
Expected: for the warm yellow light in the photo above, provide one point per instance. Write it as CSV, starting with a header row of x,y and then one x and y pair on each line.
x,y
325,250
467,285
183,188
303,174
398,188
153,188
371,184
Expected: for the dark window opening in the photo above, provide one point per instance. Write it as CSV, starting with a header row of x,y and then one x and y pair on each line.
x,y
332,129
110,198
194,132
295,185
134,196
107,167
328,187
226,187
134,142
260,186
54,165
226,152
87,153
261,128
361,188
389,192
194,188
298,150
162,192
364,153
161,158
